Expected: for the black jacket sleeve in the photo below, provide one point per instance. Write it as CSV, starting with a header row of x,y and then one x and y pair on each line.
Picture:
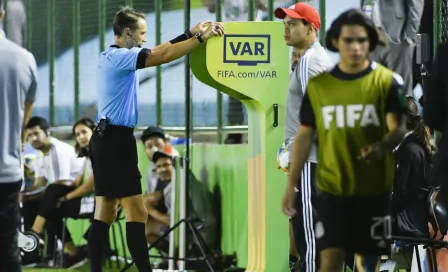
x,y
411,177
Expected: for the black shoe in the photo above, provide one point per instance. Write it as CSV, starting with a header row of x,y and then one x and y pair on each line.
x,y
72,262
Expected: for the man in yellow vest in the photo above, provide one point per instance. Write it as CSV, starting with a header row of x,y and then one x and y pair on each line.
x,y
358,110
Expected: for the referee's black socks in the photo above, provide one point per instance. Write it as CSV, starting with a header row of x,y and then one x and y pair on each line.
x,y
137,245
99,233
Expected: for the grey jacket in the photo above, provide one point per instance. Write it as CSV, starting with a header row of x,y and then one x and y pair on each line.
x,y
400,19
314,62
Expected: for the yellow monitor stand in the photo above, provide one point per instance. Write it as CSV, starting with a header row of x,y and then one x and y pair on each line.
x,y
251,63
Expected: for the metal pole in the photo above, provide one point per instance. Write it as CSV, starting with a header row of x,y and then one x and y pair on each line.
x,y
187,19
159,118
102,24
29,25
323,17
219,100
183,193
76,41
251,10
437,27
173,211
52,53
271,10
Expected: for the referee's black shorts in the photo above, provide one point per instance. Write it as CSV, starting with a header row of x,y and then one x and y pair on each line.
x,y
115,162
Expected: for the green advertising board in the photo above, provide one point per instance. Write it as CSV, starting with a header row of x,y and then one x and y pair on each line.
x,y
251,63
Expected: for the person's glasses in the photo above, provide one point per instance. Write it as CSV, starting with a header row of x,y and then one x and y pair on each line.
x,y
358,40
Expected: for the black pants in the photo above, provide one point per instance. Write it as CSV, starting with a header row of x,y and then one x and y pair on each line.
x,y
30,209
51,197
9,226
304,222
53,214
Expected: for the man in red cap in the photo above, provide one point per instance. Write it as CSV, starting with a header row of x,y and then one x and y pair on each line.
x,y
302,23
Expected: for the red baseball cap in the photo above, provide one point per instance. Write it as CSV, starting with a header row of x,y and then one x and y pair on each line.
x,y
300,11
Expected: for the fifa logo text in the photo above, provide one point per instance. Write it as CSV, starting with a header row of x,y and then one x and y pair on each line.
x,y
350,115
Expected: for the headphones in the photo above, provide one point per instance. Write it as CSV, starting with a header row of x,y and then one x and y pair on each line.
x,y
138,45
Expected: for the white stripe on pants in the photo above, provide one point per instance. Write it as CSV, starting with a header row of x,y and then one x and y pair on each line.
x,y
307,214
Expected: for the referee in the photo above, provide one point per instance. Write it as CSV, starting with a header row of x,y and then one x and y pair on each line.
x,y
113,146
301,23
17,93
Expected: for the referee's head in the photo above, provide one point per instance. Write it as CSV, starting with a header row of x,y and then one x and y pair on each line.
x,y
129,28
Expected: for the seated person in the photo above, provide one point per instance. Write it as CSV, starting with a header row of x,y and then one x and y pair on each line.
x,y
157,200
413,160
154,139
56,171
81,200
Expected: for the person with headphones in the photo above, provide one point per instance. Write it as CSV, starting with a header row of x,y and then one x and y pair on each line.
x,y
113,150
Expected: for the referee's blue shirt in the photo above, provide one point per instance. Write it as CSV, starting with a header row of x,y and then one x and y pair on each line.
x,y
118,84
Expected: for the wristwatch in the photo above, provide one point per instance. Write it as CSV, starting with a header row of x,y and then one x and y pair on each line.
x,y
199,38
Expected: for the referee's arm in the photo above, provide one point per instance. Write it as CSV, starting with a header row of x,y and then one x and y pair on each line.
x,y
177,49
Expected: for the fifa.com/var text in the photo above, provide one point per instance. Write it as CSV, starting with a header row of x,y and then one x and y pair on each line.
x,y
257,74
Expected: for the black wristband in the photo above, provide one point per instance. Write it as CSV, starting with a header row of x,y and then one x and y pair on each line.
x,y
179,38
188,33
199,38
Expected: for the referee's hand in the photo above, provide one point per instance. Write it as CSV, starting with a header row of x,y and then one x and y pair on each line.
x,y
289,198
214,30
200,28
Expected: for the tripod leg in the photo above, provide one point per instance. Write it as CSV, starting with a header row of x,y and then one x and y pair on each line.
x,y
196,236
203,243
